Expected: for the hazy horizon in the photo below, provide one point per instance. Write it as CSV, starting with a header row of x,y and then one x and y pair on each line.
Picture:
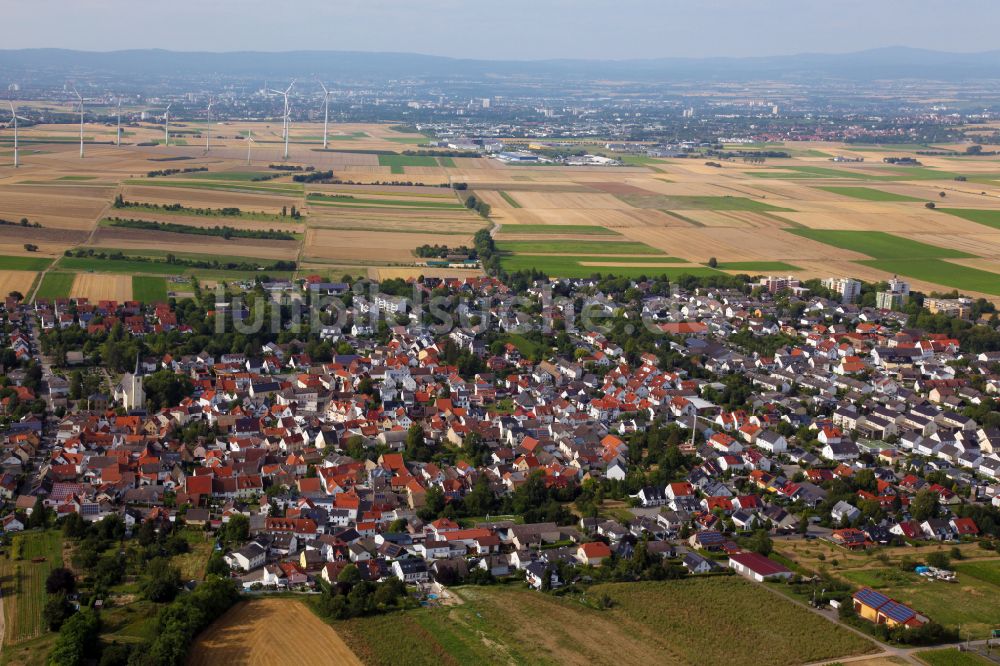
x,y
523,30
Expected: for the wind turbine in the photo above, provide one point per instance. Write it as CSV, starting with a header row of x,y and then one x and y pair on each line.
x,y
16,118
81,120
208,134
118,136
166,125
286,119
250,143
326,111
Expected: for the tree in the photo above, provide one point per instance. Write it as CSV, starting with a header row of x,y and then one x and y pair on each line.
x,y
349,575
162,580
56,610
77,640
924,505
930,204
760,542
60,579
713,262
237,529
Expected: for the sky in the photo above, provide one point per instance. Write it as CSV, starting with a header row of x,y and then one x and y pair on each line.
x,y
503,29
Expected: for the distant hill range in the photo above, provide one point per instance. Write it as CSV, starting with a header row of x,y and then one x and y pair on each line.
x,y
883,63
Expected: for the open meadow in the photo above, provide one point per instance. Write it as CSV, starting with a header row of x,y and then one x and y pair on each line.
x,y
937,224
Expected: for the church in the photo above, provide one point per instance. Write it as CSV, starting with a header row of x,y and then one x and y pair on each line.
x,y
130,392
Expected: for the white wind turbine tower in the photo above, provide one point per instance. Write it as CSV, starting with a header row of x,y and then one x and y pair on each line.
x,y
118,136
16,118
208,134
288,127
81,120
250,143
166,125
286,117
326,111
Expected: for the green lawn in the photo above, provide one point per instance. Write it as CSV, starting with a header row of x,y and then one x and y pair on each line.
x,y
55,285
990,218
9,263
149,289
665,202
868,194
758,266
987,571
510,200
944,273
558,229
879,245
576,247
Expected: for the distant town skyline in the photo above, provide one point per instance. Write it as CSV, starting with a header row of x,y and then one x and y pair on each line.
x,y
516,29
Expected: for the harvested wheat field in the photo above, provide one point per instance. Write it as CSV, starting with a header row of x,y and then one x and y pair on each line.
x,y
195,198
372,246
699,244
138,239
267,632
98,287
51,207
16,281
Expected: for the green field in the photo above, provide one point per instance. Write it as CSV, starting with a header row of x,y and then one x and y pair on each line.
x,y
868,194
95,265
55,285
576,247
412,140
397,162
757,266
944,273
23,583
651,622
665,202
572,266
247,176
149,289
879,245
990,218
510,200
448,162
10,263
560,229
972,602
880,173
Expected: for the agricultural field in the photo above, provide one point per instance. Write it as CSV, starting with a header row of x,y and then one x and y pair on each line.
x,y
990,218
24,263
647,623
24,568
149,289
952,657
19,281
804,215
55,285
868,194
271,631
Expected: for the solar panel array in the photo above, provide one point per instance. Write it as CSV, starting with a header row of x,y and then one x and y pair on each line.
x,y
897,612
871,598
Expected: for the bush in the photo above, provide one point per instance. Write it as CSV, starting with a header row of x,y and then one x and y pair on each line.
x,y
60,580
938,559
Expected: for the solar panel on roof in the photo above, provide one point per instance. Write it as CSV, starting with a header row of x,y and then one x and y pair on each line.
x,y
897,611
871,598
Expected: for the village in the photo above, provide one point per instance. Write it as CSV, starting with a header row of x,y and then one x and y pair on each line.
x,y
741,415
